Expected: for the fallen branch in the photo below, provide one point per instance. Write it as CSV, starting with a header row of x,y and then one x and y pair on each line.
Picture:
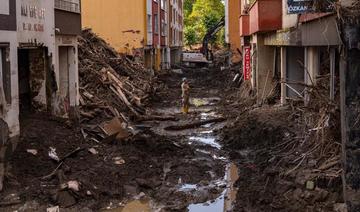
x,y
72,153
52,173
194,124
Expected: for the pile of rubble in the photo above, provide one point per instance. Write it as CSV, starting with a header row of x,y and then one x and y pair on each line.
x,y
111,85
294,150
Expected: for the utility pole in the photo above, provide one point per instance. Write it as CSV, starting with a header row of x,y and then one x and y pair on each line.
x,y
350,101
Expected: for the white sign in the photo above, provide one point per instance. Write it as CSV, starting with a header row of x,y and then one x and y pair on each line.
x,y
4,7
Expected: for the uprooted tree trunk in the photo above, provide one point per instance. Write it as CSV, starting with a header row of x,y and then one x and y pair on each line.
x,y
350,101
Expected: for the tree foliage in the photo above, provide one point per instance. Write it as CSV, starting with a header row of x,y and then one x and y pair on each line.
x,y
200,16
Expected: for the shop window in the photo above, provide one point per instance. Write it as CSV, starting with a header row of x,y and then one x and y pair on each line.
x,y
5,72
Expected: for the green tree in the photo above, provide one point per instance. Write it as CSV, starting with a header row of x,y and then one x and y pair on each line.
x,y
200,16
190,36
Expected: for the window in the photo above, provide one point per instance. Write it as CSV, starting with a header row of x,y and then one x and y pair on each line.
x,y
163,28
68,5
163,4
5,72
149,23
156,23
4,8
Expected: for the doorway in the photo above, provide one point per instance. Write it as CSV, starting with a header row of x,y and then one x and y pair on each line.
x,y
295,71
31,76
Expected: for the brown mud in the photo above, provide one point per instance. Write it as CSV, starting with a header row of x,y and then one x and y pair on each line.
x,y
174,170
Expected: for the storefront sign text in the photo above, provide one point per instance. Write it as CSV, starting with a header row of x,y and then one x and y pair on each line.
x,y
247,63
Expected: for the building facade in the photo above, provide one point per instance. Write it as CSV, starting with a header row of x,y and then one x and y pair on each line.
x,y
232,29
141,29
37,75
176,28
288,49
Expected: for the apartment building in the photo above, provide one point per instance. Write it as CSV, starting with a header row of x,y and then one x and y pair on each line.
x,y
287,45
141,29
232,29
38,63
176,28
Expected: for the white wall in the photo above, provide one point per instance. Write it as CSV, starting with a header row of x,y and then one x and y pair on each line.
x,y
288,20
37,29
4,7
11,115
227,21
73,83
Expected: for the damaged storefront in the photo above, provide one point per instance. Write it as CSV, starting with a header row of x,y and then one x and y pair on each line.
x,y
67,28
38,64
9,123
47,56
36,49
309,55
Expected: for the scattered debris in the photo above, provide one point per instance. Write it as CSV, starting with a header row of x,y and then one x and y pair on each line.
x,y
32,151
73,185
53,155
115,126
93,151
111,86
53,209
119,160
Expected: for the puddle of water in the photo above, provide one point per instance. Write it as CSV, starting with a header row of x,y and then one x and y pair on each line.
x,y
206,140
210,206
199,102
224,202
188,187
134,206
206,132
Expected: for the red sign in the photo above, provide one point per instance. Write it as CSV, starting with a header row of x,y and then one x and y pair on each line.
x,y
247,63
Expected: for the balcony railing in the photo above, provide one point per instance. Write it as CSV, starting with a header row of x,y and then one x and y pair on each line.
x,y
67,5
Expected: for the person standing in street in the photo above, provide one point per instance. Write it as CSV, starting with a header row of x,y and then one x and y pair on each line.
x,y
185,88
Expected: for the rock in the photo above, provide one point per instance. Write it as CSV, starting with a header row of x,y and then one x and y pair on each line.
x,y
88,193
310,185
73,185
32,151
118,160
53,155
53,209
93,151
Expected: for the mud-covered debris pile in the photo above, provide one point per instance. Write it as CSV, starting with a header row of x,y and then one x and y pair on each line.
x,y
111,85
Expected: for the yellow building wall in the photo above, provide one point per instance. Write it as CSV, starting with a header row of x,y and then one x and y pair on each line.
x,y
122,23
234,28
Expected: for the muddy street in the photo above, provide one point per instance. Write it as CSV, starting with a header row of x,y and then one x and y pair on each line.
x,y
154,170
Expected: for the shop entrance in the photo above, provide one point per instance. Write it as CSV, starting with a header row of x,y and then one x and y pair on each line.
x,y
32,65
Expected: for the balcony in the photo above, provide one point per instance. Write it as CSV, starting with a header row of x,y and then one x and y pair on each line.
x,y
67,5
244,25
67,17
265,15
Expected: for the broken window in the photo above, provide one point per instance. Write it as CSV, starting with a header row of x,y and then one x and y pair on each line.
x,y
5,71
